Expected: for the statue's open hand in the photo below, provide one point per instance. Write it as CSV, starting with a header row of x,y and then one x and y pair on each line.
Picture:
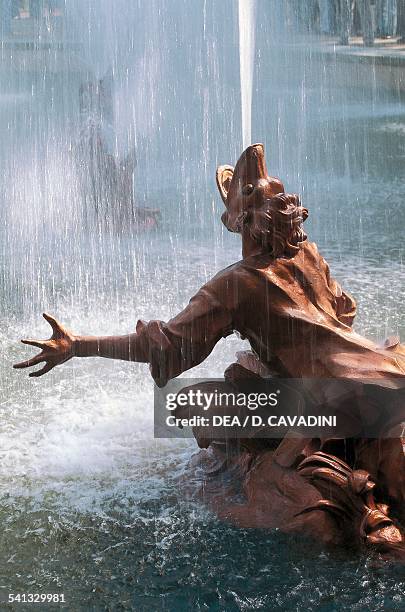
x,y
56,350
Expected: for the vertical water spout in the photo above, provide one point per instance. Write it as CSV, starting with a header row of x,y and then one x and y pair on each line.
x,y
247,16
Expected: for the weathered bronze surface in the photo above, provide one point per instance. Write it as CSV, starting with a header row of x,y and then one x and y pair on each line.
x,y
298,320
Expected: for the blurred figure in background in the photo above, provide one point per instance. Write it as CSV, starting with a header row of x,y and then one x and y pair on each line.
x,y
36,9
367,17
5,16
386,18
345,18
327,16
366,9
9,10
106,176
401,20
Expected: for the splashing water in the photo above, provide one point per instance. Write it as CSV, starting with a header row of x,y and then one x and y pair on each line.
x,y
247,18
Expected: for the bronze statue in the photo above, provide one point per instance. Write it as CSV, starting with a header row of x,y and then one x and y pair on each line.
x,y
298,320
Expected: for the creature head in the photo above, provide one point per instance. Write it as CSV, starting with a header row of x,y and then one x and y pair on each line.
x,y
256,203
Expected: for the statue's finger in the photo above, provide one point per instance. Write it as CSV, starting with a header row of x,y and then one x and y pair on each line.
x,y
37,343
42,371
56,326
29,362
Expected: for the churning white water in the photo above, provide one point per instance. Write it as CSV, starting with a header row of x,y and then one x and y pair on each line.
x,y
247,18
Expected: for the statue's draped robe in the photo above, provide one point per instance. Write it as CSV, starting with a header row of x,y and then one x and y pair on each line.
x,y
299,323
295,316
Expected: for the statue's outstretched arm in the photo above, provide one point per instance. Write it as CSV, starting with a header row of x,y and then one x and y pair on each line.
x,y
63,345
170,348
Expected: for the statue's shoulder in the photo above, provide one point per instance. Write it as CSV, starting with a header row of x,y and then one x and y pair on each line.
x,y
232,271
230,279
226,287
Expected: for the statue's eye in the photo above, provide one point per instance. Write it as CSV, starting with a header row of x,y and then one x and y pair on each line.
x,y
248,189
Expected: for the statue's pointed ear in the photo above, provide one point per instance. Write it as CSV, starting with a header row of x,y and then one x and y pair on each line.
x,y
224,177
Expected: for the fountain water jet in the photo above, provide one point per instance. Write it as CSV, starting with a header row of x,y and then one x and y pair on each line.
x,y
247,18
